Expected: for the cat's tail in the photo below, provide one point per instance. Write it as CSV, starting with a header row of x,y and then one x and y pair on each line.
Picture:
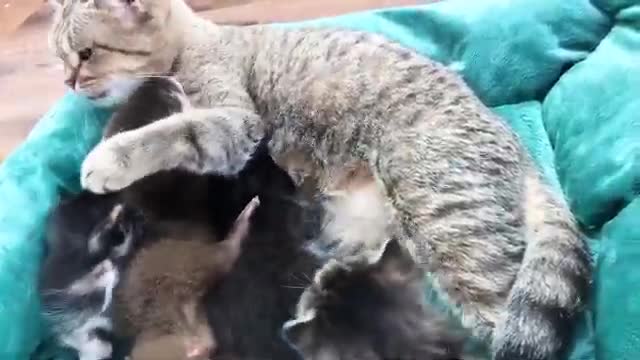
x,y
552,284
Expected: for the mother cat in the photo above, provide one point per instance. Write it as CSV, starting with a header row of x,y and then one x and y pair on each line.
x,y
397,143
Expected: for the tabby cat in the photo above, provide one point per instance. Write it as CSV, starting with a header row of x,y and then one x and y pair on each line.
x,y
397,145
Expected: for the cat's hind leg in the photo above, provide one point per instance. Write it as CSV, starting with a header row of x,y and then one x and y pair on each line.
x,y
465,199
458,204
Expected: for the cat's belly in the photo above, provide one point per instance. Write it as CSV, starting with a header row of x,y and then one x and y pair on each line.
x,y
314,177
358,210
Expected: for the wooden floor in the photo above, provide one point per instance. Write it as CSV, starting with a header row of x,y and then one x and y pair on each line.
x,y
31,78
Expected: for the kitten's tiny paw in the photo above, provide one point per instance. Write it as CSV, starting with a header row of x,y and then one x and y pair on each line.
x,y
106,169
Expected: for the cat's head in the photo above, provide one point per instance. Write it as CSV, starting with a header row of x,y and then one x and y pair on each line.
x,y
372,312
108,45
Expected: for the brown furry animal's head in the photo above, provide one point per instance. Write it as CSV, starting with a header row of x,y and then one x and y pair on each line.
x,y
160,295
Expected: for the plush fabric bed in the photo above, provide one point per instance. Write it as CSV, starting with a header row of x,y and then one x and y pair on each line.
x,y
564,74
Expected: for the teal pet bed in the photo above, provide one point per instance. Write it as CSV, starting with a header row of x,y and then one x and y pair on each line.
x,y
565,74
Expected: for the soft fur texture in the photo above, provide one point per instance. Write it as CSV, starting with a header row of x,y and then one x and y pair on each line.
x,y
274,266
161,293
462,193
86,250
374,313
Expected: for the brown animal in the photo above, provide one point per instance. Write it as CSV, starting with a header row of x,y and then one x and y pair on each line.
x,y
159,297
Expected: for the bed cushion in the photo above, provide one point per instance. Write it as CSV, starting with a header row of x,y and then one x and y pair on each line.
x,y
564,74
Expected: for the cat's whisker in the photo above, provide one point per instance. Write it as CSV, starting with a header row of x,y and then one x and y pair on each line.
x,y
54,291
152,76
293,287
303,277
307,277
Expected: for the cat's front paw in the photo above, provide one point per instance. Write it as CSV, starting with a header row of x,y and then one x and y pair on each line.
x,y
108,168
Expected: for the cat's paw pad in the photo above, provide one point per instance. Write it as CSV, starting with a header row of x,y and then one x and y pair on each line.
x,y
106,169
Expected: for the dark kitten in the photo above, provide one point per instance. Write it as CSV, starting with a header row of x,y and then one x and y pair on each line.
x,y
248,307
372,312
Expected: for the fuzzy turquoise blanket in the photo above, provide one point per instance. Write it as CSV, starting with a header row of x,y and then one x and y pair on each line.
x,y
566,76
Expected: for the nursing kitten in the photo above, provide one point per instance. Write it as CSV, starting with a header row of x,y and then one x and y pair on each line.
x,y
434,167
160,295
174,199
274,265
373,312
79,273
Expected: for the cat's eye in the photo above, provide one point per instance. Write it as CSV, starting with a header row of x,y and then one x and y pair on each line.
x,y
85,54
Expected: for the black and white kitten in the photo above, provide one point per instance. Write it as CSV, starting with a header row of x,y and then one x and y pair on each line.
x,y
88,239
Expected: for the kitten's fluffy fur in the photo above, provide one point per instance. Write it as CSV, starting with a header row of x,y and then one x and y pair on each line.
x,y
448,177
160,296
86,248
374,312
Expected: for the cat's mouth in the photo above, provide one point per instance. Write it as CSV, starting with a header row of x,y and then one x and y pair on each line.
x,y
97,96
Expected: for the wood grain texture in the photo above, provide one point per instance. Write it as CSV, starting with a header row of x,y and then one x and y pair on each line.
x,y
14,12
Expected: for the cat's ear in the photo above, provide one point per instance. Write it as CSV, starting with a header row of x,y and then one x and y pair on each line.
x,y
129,12
396,266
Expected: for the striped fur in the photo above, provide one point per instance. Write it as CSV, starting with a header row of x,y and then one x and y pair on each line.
x,y
451,178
